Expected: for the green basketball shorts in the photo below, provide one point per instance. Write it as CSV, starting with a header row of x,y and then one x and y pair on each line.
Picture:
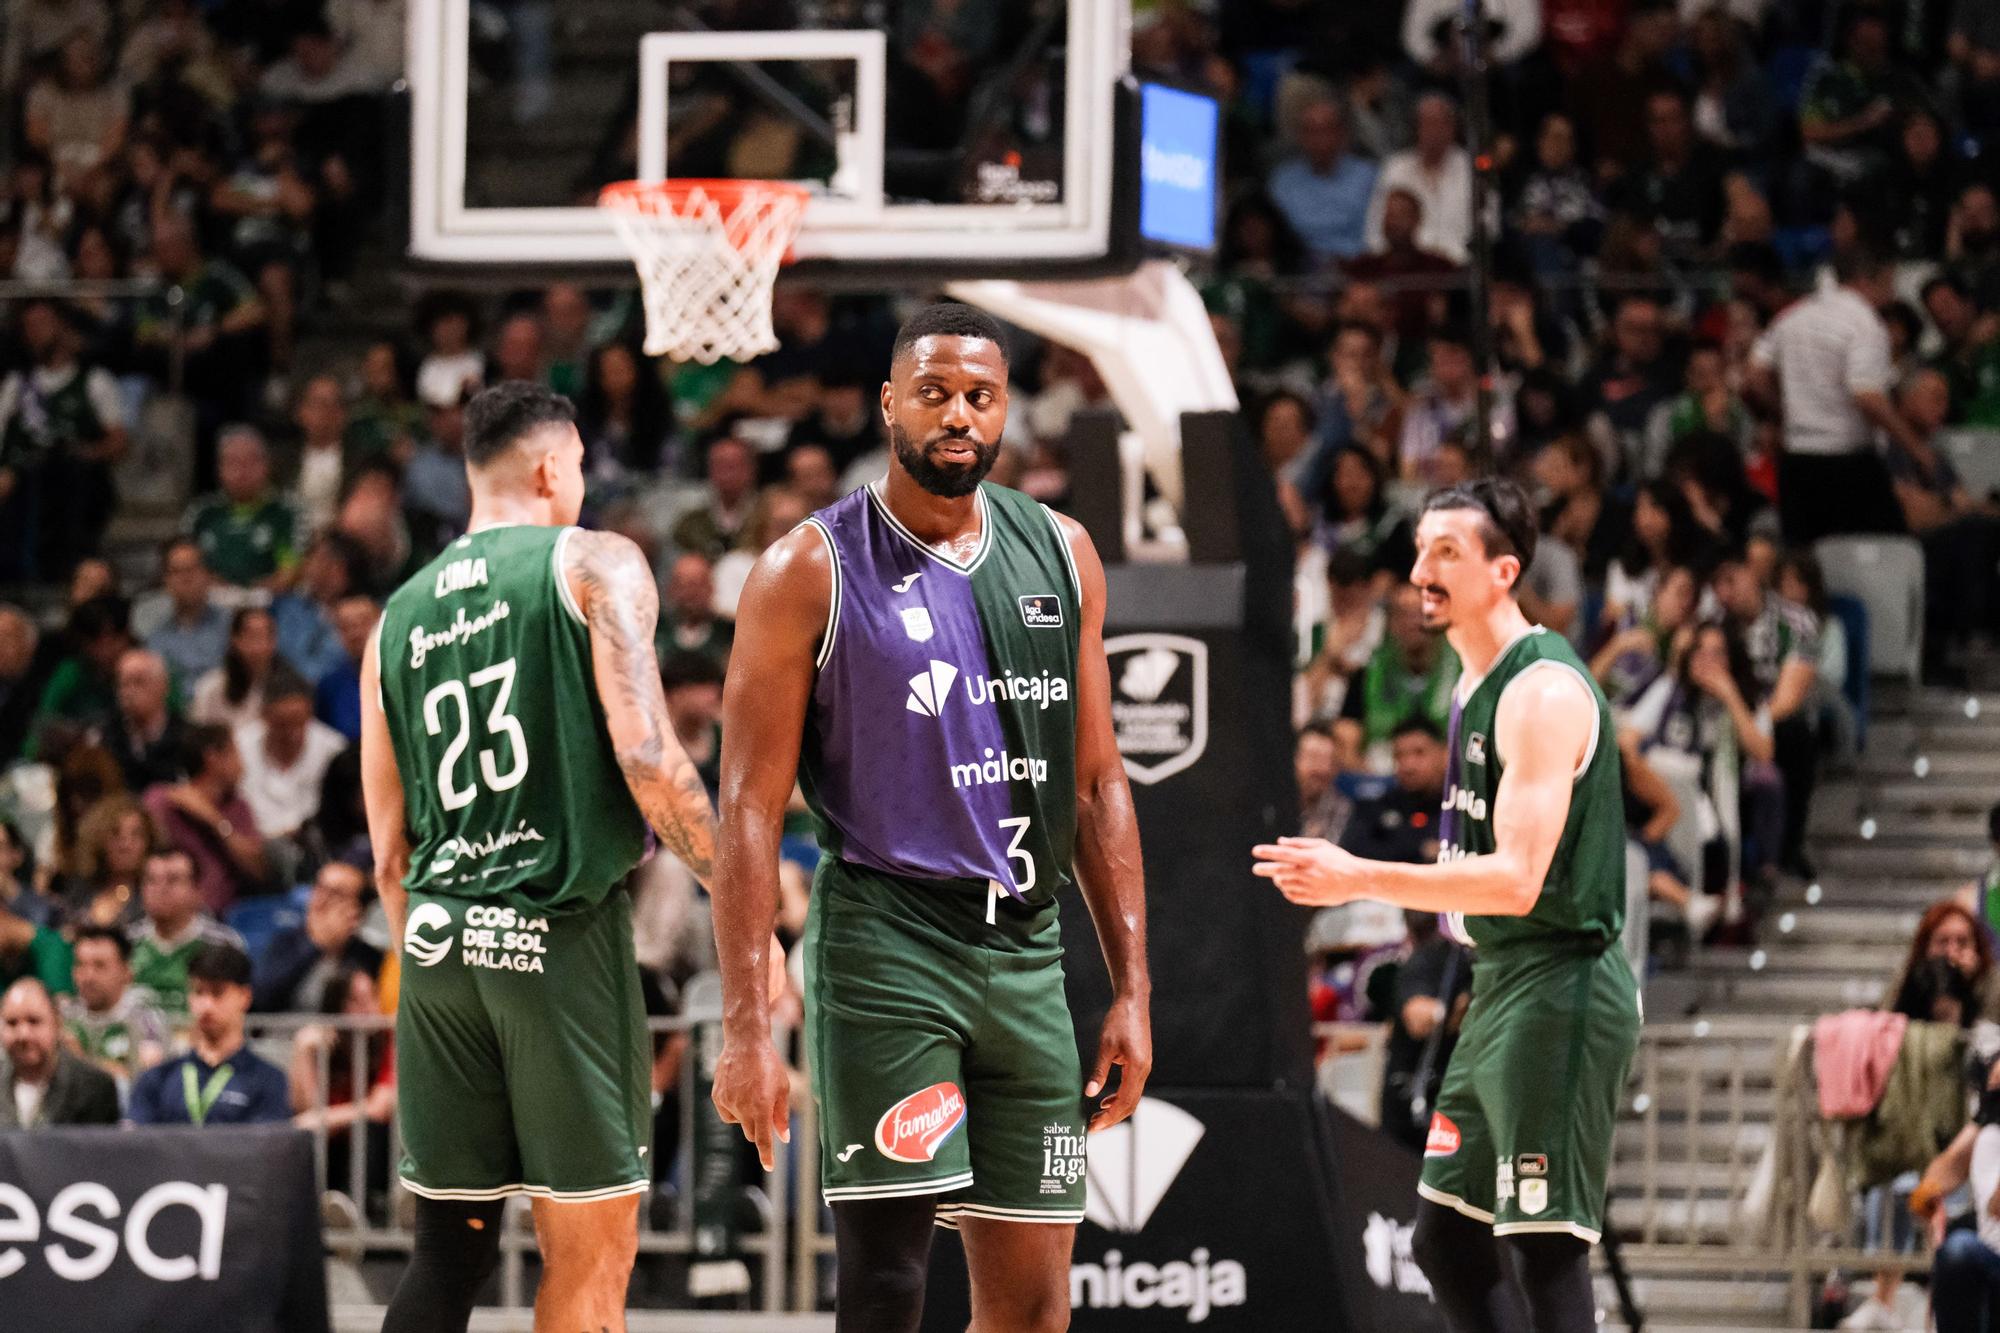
x,y
941,1051
1521,1136
522,1059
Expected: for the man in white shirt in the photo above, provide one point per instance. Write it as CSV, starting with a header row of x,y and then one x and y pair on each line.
x,y
1825,365
1439,173
285,756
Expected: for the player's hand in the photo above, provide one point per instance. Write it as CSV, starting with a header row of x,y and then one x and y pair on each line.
x,y
1312,871
1126,1041
753,1090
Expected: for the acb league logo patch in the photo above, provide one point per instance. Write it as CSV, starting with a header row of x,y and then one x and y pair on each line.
x,y
915,1128
1443,1139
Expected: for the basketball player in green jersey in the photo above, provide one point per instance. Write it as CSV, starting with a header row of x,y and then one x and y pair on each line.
x,y
926,658
1531,872
515,749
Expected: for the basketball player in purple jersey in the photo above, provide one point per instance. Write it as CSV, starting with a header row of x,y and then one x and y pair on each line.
x,y
926,658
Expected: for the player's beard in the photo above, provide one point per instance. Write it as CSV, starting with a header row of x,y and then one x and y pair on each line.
x,y
946,480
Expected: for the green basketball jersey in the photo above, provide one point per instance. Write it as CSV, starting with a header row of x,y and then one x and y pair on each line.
x,y
510,789
1583,896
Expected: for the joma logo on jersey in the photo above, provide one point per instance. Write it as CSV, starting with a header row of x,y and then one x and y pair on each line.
x,y
1465,802
1002,767
915,1128
460,575
1042,611
1475,748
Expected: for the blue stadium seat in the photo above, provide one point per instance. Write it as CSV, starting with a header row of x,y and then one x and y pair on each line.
x,y
258,919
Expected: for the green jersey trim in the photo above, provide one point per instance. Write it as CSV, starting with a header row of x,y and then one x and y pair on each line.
x,y
978,556
1596,718
564,593
833,599
1069,557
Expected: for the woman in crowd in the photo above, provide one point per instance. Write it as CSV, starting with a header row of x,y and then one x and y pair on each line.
x,y
233,693
346,1086
1355,515
1801,581
1634,658
1695,725
112,846
624,415
17,879
1579,512
1663,537
1949,934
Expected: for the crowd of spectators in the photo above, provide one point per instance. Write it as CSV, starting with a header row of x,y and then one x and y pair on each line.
x,y
1745,278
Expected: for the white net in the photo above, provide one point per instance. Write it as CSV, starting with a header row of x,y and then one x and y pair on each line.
x,y
708,254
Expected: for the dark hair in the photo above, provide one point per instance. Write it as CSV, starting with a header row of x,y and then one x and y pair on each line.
x,y
1741,669
92,930
1378,477
949,319
1321,729
1858,265
1287,251
683,669
203,740
1346,567
1683,533
349,552
176,853
652,410
1416,724
285,683
1760,259
107,614
219,963
333,994
236,679
1298,400
1508,520
1933,979
1905,314
499,416
1993,823
1805,564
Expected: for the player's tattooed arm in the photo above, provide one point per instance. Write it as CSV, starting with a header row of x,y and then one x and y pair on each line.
x,y
621,604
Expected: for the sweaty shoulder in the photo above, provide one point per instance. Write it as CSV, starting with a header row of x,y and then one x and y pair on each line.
x,y
1550,701
792,582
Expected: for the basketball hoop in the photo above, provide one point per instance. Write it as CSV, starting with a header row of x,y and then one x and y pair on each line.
x,y
708,254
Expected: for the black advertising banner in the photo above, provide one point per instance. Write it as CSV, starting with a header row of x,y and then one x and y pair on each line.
x,y
160,1231
1218,1209
1376,1204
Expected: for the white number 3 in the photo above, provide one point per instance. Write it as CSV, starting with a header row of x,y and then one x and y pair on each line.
x,y
1026,879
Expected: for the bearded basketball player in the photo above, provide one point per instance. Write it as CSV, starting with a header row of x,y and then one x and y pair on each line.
x,y
926,659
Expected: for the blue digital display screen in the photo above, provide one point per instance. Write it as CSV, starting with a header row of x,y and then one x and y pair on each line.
x,y
1178,144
